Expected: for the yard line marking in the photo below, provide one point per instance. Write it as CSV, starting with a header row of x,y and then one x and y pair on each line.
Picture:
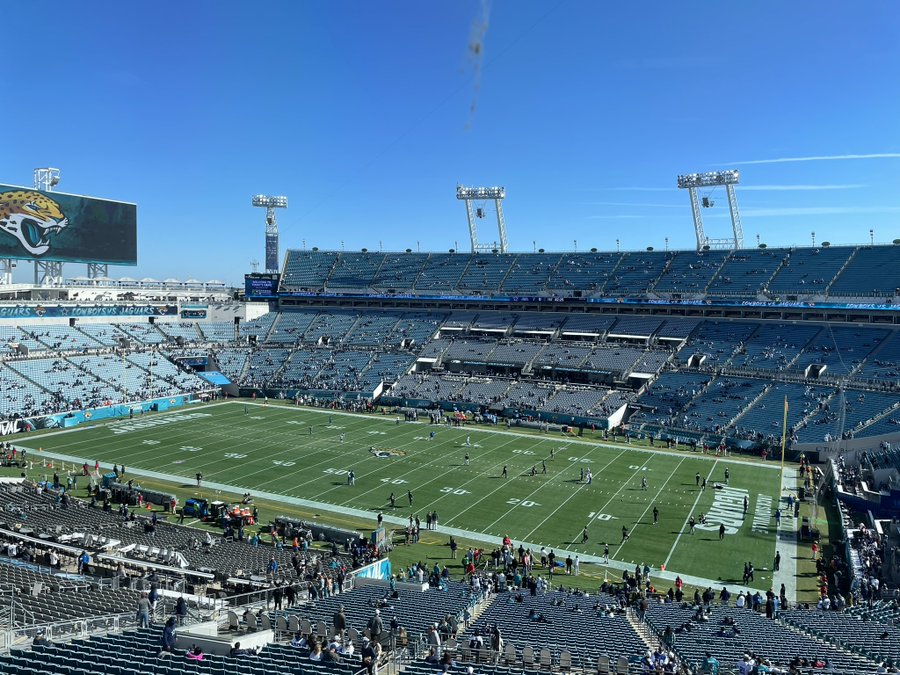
x,y
621,487
536,490
653,501
439,457
688,517
576,492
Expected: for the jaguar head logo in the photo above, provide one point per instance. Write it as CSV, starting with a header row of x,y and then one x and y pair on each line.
x,y
32,219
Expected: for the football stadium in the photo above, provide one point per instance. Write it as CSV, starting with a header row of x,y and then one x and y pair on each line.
x,y
478,461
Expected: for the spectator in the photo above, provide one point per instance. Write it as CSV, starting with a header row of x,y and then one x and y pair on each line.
x,y
40,639
369,656
375,626
237,651
195,653
143,611
316,653
167,640
339,621
181,610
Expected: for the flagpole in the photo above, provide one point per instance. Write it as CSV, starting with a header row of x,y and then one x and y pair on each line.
x,y
784,433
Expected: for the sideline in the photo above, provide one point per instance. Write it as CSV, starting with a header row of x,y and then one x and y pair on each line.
x,y
362,514
787,539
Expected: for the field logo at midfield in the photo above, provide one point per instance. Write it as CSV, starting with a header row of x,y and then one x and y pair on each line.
x,y
727,510
387,453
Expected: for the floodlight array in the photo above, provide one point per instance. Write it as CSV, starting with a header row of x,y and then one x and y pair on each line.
x,y
709,179
463,192
270,202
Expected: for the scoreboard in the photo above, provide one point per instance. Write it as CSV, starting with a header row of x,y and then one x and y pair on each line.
x,y
260,286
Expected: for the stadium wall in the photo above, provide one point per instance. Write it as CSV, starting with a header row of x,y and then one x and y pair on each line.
x,y
76,417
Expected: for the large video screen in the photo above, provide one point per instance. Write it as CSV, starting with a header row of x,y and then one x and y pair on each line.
x,y
38,225
259,286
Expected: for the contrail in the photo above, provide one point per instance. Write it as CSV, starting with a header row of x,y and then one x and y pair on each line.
x,y
819,158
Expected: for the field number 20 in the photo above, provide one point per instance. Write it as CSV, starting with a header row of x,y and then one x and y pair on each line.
x,y
521,502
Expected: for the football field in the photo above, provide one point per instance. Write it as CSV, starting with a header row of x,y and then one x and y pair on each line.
x,y
306,454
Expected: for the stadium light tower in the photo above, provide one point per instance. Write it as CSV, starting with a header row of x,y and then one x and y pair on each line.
x,y
47,272
729,179
483,194
270,204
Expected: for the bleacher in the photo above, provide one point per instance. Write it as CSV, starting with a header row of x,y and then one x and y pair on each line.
x,y
690,272
757,635
104,333
71,384
137,653
809,271
19,396
871,272
668,395
838,271
143,333
855,411
354,270
871,639
186,330
745,273
573,623
399,271
716,341
233,361
289,327
61,338
11,337
486,273
636,273
443,272
264,363
586,272
764,418
840,349
530,273
774,347
722,401
415,610
217,331
307,270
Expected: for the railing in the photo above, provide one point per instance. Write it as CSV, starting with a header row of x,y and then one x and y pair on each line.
x,y
66,630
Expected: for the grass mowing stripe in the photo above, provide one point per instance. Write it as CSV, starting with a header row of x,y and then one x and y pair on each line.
x,y
536,490
419,486
652,501
690,513
577,492
504,484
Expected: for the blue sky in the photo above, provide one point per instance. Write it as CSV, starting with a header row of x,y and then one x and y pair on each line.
x,y
367,115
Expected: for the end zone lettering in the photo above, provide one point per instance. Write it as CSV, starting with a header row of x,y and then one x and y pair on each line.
x,y
727,510
8,428
155,422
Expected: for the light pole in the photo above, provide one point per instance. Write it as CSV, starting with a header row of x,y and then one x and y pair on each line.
x,y
270,204
729,179
483,194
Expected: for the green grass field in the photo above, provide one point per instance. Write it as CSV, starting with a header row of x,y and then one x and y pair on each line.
x,y
269,449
